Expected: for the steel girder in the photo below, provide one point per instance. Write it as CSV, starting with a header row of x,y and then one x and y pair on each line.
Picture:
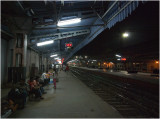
x,y
59,36
115,16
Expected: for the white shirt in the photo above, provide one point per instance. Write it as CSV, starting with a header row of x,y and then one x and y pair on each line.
x,y
43,76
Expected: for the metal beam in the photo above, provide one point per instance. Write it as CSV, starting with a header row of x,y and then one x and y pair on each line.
x,y
81,14
106,11
109,9
78,47
58,36
63,34
7,33
68,27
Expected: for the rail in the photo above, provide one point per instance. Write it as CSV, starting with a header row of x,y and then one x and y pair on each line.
x,y
129,99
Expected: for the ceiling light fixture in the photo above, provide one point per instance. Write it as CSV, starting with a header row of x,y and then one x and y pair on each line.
x,y
70,21
45,43
53,55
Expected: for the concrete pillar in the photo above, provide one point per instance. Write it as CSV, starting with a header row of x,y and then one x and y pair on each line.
x,y
20,50
18,71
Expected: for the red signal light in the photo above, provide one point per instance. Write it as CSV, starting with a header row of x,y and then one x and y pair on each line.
x,y
123,59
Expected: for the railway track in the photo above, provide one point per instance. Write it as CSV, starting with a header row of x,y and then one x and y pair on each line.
x,y
129,101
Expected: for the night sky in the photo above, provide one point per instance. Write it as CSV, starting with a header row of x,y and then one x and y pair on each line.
x,y
143,42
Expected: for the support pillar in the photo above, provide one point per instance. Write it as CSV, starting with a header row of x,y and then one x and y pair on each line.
x,y
18,70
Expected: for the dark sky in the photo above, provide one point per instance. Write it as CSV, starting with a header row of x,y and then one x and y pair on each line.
x,y
143,26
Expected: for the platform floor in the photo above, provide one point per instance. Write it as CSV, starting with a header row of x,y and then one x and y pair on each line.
x,y
146,77
71,99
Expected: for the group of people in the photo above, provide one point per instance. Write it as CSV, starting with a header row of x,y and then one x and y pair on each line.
x,y
18,94
36,88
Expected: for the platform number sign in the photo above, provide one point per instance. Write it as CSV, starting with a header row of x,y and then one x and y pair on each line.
x,y
68,45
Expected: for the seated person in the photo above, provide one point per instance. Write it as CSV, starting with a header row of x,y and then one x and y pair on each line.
x,y
17,97
34,88
8,104
37,83
23,88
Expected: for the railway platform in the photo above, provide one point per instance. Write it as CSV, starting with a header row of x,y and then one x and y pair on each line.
x,y
71,99
145,77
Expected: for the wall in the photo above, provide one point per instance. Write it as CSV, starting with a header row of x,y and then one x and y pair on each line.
x,y
31,61
4,45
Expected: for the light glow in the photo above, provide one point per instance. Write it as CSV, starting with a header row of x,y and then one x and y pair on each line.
x,y
53,55
125,35
70,21
118,59
45,43
157,62
124,59
118,55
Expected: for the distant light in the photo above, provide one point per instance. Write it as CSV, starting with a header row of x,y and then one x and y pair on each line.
x,y
118,59
118,55
124,59
111,62
157,62
70,21
94,60
104,63
53,55
125,35
45,43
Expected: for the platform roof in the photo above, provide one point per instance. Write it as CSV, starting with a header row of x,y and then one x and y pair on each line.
x,y
43,17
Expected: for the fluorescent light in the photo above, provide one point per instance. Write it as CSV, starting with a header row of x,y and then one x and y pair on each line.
x,y
53,55
70,21
118,55
45,43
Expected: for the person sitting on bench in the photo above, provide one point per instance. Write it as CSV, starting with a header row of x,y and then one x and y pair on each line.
x,y
36,81
35,89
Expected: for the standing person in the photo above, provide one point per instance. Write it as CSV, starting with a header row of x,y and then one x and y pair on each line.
x,y
54,83
47,77
42,80
67,68
55,70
